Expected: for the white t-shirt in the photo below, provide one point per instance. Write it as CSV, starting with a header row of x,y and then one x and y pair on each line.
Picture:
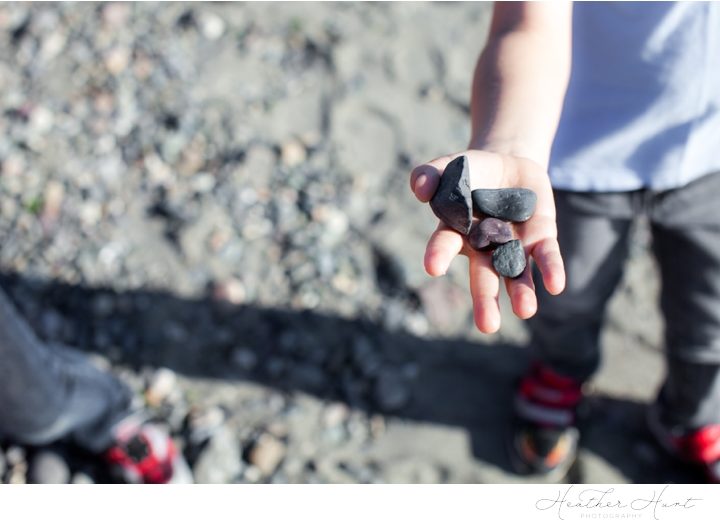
x,y
643,104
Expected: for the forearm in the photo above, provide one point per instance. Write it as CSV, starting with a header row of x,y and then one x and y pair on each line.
x,y
520,80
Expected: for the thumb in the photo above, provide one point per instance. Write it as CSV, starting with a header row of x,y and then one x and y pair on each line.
x,y
424,179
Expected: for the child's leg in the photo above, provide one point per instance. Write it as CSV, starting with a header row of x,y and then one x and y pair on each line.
x,y
592,231
686,237
46,395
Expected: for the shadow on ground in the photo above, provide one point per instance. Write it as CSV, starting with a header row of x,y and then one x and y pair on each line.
x,y
450,381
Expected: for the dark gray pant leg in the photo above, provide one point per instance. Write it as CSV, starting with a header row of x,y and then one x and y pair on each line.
x,y
686,237
593,235
47,394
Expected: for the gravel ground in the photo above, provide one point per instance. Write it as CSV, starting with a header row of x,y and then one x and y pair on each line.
x,y
212,200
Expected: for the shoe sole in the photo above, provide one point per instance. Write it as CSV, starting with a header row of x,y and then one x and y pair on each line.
x,y
557,473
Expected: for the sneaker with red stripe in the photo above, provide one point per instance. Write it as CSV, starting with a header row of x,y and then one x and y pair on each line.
x,y
699,447
545,437
144,453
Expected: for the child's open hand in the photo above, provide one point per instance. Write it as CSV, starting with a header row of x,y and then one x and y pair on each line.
x,y
538,234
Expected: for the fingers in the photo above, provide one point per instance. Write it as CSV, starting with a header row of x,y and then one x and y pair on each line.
x,y
425,178
521,291
424,181
493,171
488,170
444,245
546,254
485,289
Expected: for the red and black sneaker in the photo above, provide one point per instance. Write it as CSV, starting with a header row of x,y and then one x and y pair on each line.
x,y
545,436
699,447
144,453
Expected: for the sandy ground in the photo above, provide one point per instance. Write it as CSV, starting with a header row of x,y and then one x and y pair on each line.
x,y
212,200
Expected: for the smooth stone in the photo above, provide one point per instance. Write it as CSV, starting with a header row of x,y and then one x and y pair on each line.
x,y
48,467
161,388
452,202
509,259
266,454
490,231
514,204
82,478
220,462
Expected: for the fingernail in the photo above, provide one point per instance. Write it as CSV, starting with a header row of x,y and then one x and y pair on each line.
x,y
420,181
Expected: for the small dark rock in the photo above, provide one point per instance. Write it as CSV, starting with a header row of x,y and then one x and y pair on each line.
x,y
452,202
514,204
245,358
391,391
186,20
490,231
308,376
509,259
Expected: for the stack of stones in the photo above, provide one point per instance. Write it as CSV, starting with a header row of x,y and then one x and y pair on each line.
x,y
484,216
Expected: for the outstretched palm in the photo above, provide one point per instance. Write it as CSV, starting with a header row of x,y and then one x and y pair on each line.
x,y
538,235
